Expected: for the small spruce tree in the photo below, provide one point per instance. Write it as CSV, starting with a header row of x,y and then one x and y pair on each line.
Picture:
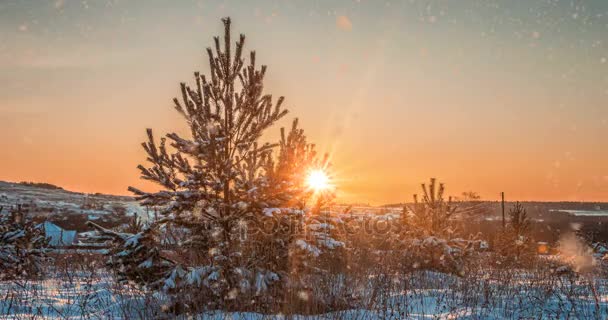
x,y
515,244
433,216
430,233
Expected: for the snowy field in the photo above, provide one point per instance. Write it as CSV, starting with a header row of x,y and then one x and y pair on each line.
x,y
586,213
70,296
73,292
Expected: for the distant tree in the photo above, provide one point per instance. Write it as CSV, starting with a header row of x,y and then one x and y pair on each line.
x,y
42,185
594,233
433,214
431,230
518,220
470,196
471,205
515,244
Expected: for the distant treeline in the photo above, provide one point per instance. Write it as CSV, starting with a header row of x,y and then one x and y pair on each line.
x,y
42,185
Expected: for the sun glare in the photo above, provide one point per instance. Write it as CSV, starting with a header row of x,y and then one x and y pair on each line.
x,y
317,180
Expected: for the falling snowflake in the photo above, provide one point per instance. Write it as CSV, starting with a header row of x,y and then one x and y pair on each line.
x,y
303,295
344,23
59,4
232,294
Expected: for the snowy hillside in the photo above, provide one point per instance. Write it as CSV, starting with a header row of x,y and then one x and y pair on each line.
x,y
45,201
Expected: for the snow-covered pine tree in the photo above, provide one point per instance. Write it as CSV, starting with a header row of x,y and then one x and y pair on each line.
x,y
319,253
433,216
295,161
219,186
22,246
316,247
285,220
430,233
515,244
518,220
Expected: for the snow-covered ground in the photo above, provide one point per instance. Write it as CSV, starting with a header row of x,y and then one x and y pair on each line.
x,y
586,213
70,296
424,295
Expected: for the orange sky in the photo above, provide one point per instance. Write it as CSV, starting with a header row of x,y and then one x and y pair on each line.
x,y
484,97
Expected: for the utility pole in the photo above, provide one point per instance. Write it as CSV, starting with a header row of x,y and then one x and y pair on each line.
x,y
502,195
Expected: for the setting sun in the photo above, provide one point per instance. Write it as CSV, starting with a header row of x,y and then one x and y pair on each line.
x,y
317,180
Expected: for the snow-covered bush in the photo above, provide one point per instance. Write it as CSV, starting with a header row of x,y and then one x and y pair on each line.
x,y
430,234
136,257
22,246
438,254
319,248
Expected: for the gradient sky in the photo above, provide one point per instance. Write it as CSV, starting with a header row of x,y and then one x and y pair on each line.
x,y
485,95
